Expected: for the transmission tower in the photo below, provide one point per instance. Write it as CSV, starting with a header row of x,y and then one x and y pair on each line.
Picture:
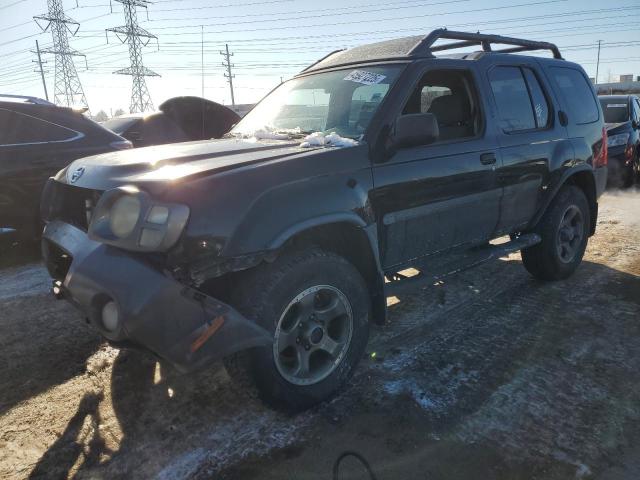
x,y
137,38
67,88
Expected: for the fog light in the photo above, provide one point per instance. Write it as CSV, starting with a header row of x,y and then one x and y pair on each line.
x,y
110,318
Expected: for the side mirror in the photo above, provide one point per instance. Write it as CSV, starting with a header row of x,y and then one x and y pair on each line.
x,y
635,124
415,129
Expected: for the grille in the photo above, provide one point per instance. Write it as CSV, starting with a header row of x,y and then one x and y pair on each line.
x,y
73,205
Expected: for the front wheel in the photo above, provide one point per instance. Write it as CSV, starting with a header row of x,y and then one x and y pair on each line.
x,y
316,304
564,230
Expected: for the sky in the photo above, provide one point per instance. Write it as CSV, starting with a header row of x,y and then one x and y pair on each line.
x,y
275,39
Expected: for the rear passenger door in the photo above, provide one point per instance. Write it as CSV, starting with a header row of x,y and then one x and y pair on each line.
x,y
530,137
431,198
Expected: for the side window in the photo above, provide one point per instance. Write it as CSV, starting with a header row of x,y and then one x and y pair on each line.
x,y
450,95
538,100
577,94
27,129
512,98
637,110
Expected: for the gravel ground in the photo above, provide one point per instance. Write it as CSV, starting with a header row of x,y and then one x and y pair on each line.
x,y
488,374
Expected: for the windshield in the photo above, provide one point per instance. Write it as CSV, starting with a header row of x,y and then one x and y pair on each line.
x,y
615,110
342,101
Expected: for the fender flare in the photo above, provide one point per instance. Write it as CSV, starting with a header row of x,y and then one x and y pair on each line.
x,y
292,230
378,298
561,183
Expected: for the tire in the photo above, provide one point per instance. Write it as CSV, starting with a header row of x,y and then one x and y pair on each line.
x,y
268,292
548,260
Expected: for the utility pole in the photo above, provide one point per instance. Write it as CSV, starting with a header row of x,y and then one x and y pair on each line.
x,y
136,38
40,62
67,88
227,64
598,61
202,56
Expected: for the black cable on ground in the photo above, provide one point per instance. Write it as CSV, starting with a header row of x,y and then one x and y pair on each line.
x,y
363,461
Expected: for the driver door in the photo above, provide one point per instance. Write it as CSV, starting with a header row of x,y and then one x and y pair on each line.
x,y
432,198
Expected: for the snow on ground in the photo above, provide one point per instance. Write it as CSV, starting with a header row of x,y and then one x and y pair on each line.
x,y
31,279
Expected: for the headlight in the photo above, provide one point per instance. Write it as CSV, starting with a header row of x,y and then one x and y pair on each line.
x,y
129,218
124,215
617,140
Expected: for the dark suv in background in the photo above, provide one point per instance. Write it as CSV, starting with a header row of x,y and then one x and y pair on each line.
x,y
622,118
275,247
37,139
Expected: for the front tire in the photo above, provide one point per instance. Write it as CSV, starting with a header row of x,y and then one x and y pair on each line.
x,y
564,230
317,305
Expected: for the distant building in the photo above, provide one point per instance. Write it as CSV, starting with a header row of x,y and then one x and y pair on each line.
x,y
626,78
618,88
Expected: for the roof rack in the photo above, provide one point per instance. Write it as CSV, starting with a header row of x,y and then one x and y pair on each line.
x,y
34,100
425,46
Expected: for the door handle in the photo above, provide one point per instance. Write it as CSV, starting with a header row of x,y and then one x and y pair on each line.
x,y
488,158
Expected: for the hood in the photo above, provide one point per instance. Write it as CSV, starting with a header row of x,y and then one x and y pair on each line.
x,y
164,164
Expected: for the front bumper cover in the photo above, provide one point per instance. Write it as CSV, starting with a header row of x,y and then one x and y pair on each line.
x,y
179,324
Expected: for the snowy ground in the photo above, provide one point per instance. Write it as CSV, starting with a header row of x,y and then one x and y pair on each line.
x,y
487,375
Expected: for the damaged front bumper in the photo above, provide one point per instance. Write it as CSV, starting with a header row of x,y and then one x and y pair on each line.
x,y
150,309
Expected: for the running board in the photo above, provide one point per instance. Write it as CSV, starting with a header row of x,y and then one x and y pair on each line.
x,y
435,270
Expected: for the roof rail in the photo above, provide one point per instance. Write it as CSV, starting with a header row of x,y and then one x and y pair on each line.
x,y
323,58
425,46
35,100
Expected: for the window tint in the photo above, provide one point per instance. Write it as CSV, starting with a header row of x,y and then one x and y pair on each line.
x,y
538,100
512,99
27,129
577,94
450,96
615,110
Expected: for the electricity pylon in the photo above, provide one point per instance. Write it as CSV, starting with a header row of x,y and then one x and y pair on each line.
x,y
67,88
137,38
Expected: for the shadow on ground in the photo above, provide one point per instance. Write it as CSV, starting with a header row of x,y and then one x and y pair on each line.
x,y
516,379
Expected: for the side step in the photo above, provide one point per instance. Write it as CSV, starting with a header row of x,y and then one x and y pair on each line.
x,y
437,269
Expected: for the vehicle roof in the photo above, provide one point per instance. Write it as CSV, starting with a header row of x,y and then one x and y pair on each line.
x,y
421,46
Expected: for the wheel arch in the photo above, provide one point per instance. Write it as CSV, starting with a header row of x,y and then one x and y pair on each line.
x,y
582,178
350,239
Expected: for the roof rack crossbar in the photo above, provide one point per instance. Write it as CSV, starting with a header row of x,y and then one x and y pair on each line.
x,y
34,100
426,46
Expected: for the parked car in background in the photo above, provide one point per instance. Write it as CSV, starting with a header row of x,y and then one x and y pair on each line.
x,y
180,119
275,247
37,139
622,119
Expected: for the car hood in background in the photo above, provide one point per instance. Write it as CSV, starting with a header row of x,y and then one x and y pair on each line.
x,y
171,163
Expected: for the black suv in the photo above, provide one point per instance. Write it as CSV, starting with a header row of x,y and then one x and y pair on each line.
x,y
38,138
275,247
622,118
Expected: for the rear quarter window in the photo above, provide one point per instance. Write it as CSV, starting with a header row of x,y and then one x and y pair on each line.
x,y
26,129
577,94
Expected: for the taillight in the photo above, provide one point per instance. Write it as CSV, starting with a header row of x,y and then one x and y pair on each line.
x,y
121,144
601,156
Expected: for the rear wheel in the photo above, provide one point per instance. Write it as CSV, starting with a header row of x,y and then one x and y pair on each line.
x,y
564,230
316,304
